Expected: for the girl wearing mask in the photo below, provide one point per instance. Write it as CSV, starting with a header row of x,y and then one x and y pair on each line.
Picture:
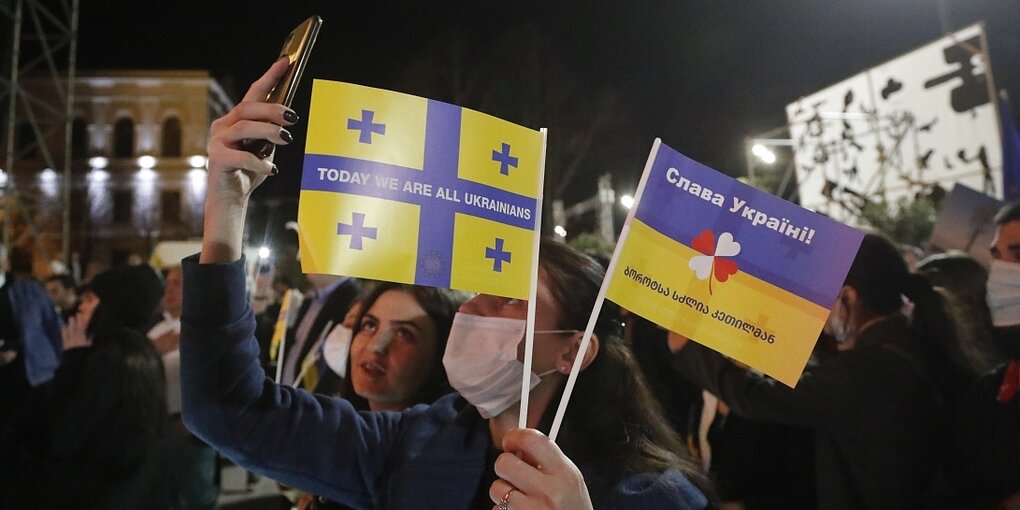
x,y
617,450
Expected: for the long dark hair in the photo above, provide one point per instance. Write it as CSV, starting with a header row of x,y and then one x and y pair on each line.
x,y
440,305
967,280
142,381
880,276
613,422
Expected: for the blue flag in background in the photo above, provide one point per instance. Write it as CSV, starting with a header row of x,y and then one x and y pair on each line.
x,y
1010,152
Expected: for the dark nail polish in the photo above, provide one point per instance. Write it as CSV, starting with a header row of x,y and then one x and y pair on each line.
x,y
274,171
287,137
290,116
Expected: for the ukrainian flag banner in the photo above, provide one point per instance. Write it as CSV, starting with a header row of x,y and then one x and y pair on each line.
x,y
407,189
734,268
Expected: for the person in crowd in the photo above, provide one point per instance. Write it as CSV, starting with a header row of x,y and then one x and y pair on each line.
x,y
396,357
30,346
281,284
874,409
327,303
754,464
336,350
988,419
94,439
911,255
61,289
463,451
188,466
396,343
966,279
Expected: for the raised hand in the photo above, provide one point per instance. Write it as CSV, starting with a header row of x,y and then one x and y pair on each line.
x,y
73,332
235,173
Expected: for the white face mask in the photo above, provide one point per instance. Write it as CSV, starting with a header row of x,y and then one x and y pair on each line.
x,y
842,330
1004,293
481,361
337,348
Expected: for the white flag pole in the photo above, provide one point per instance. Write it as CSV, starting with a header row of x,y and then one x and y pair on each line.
x,y
529,335
590,328
279,357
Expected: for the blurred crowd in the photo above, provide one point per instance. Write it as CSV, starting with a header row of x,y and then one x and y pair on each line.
x,y
909,400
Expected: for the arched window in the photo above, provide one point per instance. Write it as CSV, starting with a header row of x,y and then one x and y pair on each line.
x,y
172,137
79,138
124,138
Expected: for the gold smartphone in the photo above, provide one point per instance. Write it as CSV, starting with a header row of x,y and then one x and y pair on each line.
x,y
297,49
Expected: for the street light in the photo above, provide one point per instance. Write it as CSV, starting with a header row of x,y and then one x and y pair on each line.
x,y
197,161
146,161
264,253
767,156
560,231
627,201
98,162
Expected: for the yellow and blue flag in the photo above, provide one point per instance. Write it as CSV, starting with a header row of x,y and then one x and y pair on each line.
x,y
289,306
731,267
402,188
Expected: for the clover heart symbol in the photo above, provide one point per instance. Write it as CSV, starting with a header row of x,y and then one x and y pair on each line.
x,y
713,265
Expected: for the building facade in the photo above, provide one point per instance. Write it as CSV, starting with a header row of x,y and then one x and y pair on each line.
x,y
138,147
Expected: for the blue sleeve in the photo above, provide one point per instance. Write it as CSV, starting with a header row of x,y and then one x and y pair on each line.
x,y
314,443
39,328
670,489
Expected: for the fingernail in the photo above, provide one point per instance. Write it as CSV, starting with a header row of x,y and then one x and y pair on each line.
x,y
274,171
287,137
290,116
282,57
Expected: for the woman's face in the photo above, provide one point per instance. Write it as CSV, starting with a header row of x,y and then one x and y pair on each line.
x,y
393,352
548,348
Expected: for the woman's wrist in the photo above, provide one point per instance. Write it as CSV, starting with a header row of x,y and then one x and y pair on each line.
x,y
223,233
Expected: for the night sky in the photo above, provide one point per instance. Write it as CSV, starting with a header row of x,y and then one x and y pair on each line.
x,y
700,74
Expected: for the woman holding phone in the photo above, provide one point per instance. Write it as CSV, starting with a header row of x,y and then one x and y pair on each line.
x,y
464,450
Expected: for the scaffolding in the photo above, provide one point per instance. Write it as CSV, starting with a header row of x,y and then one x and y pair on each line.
x,y
42,45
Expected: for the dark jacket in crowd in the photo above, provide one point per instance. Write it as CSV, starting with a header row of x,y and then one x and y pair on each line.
x,y
97,426
30,328
986,461
874,411
99,418
425,457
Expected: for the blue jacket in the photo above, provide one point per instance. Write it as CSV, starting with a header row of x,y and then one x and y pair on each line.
x,y
38,329
424,457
